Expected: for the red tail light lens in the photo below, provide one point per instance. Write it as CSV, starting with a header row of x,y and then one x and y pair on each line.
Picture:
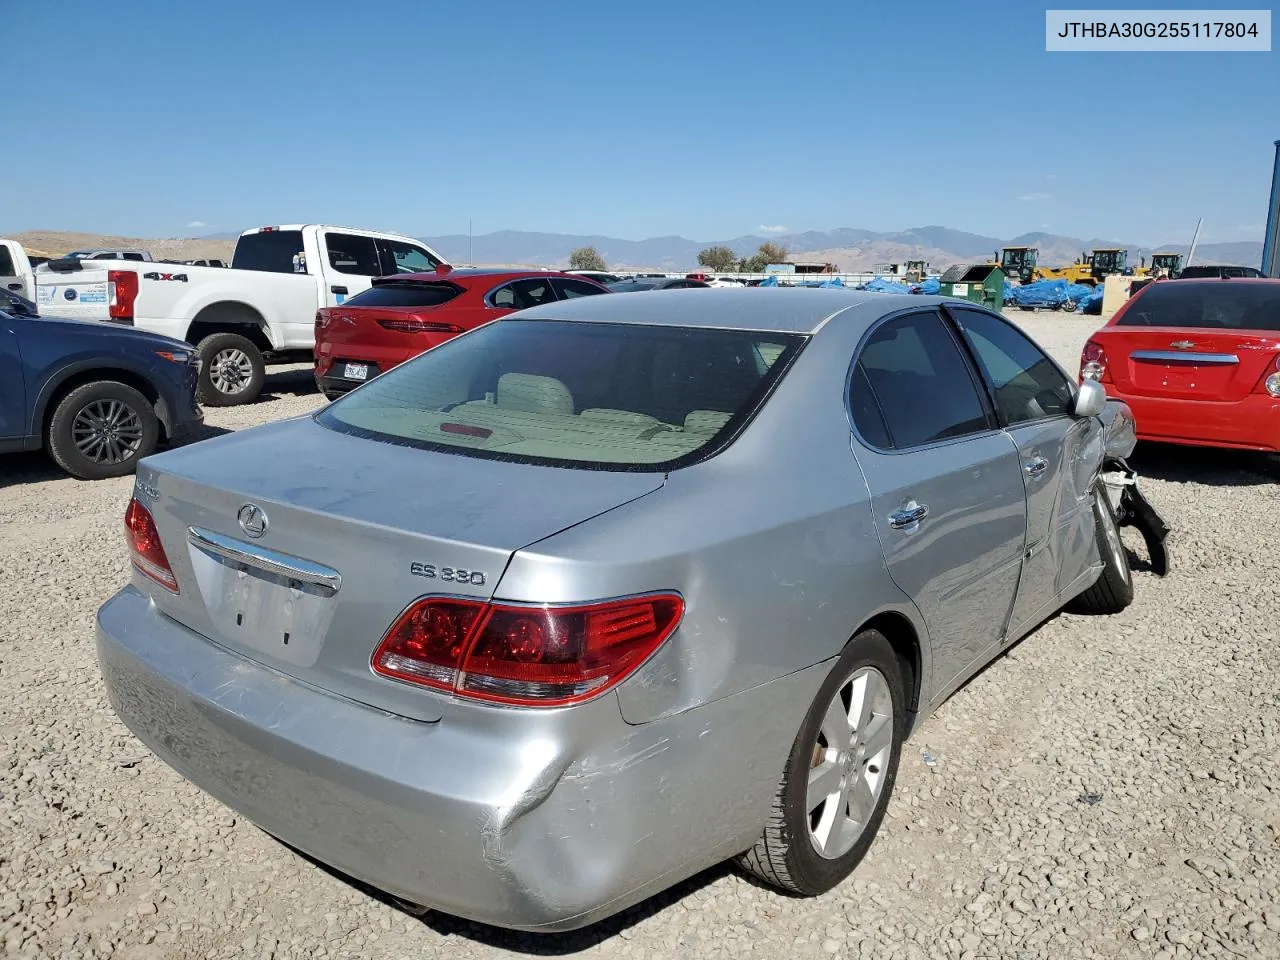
x,y
418,326
1093,362
122,287
145,548
427,642
532,656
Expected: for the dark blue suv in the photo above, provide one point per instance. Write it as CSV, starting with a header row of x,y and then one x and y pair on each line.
x,y
98,397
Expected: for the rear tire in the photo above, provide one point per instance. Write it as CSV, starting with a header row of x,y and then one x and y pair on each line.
x,y
844,761
1113,590
232,370
102,430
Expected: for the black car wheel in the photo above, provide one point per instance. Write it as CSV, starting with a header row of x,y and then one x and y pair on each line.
x,y
232,370
102,430
839,776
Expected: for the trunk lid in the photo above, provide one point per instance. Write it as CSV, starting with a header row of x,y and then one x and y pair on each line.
x,y
1188,363
355,530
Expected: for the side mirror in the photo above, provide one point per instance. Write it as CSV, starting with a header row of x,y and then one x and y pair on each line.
x,y
1091,399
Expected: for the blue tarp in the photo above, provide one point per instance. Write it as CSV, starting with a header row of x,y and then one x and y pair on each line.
x,y
769,282
880,285
1093,302
930,285
1046,293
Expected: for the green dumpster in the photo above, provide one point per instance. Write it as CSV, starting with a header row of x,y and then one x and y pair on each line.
x,y
982,283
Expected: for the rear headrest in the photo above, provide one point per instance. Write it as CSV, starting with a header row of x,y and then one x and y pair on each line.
x,y
524,391
705,421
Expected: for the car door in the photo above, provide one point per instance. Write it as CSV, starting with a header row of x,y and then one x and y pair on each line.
x,y
13,396
10,278
945,485
351,264
1033,400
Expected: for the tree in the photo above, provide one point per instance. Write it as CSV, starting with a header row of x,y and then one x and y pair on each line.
x,y
587,258
773,252
719,259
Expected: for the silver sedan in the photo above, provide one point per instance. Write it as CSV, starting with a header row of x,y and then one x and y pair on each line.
x,y
586,600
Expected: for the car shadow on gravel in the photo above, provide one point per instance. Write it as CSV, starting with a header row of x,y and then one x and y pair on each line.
x,y
519,941
1213,467
299,382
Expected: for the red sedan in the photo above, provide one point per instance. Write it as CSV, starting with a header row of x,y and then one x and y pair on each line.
x,y
1198,361
401,316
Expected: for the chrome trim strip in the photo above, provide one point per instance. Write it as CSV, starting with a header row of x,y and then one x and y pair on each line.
x,y
1172,356
271,561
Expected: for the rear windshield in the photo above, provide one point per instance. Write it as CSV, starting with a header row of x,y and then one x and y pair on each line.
x,y
1222,305
404,294
597,396
272,252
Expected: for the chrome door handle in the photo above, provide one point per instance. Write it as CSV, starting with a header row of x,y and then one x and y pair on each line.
x,y
1035,467
908,516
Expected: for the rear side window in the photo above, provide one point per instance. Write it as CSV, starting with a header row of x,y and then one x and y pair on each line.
x,y
520,294
569,289
404,294
272,252
596,396
1213,305
349,253
921,382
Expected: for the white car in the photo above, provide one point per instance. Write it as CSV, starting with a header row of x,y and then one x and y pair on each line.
x,y
264,306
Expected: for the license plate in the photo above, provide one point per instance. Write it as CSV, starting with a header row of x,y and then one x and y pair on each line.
x,y
356,371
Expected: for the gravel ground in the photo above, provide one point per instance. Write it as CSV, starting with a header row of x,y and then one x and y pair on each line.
x,y
1110,788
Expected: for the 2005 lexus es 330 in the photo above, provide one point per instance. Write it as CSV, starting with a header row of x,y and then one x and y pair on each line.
x,y
597,595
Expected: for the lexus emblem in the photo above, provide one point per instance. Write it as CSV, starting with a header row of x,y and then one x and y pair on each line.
x,y
252,520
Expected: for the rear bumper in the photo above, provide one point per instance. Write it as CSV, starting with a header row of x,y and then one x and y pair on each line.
x,y
535,820
1249,424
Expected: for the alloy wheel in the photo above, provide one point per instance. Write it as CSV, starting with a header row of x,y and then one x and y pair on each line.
x,y
107,431
230,370
850,762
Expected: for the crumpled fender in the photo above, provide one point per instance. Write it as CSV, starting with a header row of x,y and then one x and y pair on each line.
x,y
1120,429
1134,510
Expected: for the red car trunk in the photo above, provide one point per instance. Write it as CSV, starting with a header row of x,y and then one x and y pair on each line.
x,y
400,317
1198,361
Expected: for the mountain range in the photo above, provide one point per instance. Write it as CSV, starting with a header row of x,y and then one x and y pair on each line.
x,y
849,248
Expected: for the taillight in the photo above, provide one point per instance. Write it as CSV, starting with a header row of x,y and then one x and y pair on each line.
x,y
527,655
1271,382
1093,362
122,289
145,548
418,326
321,321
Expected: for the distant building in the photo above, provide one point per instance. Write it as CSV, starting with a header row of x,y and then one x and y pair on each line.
x,y
803,266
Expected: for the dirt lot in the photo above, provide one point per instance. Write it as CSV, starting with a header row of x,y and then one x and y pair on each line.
x,y
1111,788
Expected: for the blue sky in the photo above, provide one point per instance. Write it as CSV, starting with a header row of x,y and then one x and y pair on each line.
x,y
176,118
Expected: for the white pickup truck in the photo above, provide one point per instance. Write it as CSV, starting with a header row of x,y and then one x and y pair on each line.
x,y
16,273
263,308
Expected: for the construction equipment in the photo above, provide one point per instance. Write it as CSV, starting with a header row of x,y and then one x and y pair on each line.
x,y
1162,265
917,270
1018,263
1090,268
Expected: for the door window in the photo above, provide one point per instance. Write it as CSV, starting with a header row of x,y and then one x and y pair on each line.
x,y
921,384
571,289
6,263
401,257
351,254
1026,383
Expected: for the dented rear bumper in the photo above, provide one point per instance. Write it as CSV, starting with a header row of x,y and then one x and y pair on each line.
x,y
538,820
